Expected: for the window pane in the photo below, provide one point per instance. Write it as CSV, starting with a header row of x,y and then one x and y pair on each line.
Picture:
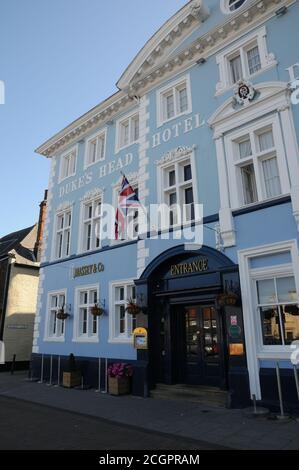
x,y
286,289
183,100
135,129
54,300
249,184
271,177
187,173
119,293
254,61
234,4
266,291
236,69
266,140
171,178
169,106
290,316
124,133
270,326
122,319
100,148
92,151
245,148
172,198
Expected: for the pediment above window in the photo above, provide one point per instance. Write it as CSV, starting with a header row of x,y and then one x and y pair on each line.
x,y
164,42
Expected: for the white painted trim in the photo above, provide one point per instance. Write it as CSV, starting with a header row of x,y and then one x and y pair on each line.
x,y
130,115
83,202
250,329
185,79
112,337
99,133
66,152
47,337
57,213
224,5
76,337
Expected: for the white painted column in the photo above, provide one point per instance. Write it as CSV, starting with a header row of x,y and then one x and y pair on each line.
x,y
225,214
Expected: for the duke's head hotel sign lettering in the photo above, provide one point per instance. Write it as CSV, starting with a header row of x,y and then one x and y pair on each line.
x,y
197,266
88,269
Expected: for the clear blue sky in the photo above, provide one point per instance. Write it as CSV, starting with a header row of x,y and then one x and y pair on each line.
x,y
58,59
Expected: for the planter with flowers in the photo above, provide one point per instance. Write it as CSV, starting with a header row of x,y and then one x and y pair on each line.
x,y
96,310
119,378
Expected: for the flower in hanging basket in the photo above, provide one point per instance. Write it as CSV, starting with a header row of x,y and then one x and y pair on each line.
x,y
96,310
132,308
120,370
231,298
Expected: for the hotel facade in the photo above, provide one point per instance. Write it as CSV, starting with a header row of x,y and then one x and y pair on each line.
x,y
204,115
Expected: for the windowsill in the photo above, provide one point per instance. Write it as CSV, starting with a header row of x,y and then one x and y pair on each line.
x,y
86,340
119,149
60,259
61,180
250,77
92,164
58,339
120,340
166,121
258,203
280,352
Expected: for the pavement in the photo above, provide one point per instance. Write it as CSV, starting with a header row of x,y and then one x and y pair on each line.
x,y
159,423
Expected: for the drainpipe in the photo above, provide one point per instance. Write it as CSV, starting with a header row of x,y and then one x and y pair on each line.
x,y
10,261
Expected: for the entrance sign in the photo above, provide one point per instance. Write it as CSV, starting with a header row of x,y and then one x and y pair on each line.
x,y
197,266
140,338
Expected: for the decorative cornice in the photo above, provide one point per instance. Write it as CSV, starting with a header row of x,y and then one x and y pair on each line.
x,y
93,193
65,205
174,154
132,177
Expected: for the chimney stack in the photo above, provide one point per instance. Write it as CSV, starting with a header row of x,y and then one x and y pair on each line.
x,y
41,226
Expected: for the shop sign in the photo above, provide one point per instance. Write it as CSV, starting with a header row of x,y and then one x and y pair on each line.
x,y
88,269
197,266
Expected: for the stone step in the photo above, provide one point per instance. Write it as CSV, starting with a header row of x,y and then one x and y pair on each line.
x,y
208,396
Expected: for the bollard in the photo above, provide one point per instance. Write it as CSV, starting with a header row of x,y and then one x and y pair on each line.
x,y
58,373
42,371
282,415
12,368
106,376
99,380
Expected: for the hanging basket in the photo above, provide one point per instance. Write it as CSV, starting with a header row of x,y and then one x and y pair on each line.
x,y
229,298
133,309
62,315
97,311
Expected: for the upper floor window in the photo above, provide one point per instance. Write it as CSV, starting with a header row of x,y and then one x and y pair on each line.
x,y
91,224
278,308
178,190
127,131
86,324
122,324
55,327
63,234
244,59
95,148
174,100
128,220
259,169
230,6
68,162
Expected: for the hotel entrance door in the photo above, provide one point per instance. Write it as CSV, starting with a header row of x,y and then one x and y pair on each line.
x,y
199,343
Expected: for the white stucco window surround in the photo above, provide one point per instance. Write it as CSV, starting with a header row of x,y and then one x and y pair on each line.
x,y
174,100
177,185
62,231
244,59
267,146
86,325
253,326
95,148
55,328
127,130
231,6
68,163
121,323
90,218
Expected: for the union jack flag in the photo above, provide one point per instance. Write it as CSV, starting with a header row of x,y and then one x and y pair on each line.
x,y
127,198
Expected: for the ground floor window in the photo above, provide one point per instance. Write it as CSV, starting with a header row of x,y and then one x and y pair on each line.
x,y
278,309
87,324
55,326
122,323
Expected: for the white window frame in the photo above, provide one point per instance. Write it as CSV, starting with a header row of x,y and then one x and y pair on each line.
x,y
101,134
128,117
89,337
173,88
62,159
114,336
234,163
257,38
58,214
252,327
176,163
225,7
91,200
48,336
